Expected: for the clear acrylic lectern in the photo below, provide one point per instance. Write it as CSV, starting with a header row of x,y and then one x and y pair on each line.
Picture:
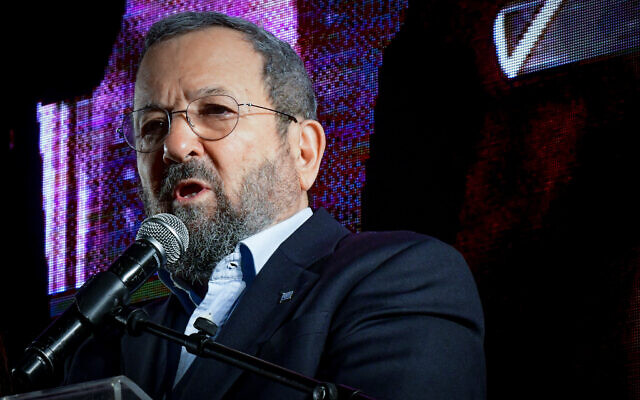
x,y
116,388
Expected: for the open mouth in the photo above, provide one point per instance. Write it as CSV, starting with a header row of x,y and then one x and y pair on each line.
x,y
189,190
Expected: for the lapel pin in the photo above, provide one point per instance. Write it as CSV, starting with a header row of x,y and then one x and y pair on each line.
x,y
286,296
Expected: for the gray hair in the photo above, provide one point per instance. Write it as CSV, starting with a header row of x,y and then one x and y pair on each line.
x,y
284,75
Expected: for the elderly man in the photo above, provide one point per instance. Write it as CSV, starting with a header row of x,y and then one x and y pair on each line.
x,y
225,130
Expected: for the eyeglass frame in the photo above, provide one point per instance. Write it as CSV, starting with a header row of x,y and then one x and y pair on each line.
x,y
170,114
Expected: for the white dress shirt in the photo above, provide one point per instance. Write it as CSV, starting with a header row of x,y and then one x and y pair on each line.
x,y
230,277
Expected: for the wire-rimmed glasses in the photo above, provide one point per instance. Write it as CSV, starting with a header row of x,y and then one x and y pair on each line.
x,y
211,117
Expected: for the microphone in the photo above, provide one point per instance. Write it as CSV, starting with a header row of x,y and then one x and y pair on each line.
x,y
161,239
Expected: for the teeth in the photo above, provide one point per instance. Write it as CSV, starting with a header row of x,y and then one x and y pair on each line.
x,y
189,190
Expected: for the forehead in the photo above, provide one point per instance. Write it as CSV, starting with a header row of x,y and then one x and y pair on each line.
x,y
182,67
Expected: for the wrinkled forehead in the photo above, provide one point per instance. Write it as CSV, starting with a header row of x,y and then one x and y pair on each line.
x,y
182,66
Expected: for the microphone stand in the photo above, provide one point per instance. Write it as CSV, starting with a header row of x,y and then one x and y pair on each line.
x,y
136,321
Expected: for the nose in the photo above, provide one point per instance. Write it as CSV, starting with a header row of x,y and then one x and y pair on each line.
x,y
181,143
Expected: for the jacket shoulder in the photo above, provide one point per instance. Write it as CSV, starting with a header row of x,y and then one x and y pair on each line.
x,y
387,244
415,295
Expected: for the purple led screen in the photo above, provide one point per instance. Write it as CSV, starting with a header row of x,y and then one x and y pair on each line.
x,y
90,202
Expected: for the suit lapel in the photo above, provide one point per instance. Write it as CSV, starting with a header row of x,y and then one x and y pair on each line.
x,y
149,360
271,298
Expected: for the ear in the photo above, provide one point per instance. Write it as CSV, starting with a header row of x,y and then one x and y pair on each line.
x,y
308,145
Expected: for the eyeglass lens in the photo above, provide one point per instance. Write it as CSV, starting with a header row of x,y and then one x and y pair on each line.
x,y
211,117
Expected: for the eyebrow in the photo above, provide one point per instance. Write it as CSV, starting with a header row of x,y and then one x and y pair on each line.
x,y
211,90
205,91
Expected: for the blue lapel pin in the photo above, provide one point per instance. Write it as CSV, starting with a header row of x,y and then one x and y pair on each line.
x,y
286,296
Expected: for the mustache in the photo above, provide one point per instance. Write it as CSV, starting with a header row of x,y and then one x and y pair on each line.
x,y
175,173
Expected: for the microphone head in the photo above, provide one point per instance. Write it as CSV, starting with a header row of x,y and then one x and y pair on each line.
x,y
169,231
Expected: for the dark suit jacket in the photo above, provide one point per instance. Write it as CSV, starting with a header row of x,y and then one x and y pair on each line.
x,y
394,314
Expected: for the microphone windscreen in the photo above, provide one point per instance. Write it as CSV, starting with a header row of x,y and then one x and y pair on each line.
x,y
169,231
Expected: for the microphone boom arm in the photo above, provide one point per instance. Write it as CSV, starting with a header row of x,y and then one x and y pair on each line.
x,y
136,321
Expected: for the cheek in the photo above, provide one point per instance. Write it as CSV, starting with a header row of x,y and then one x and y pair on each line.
x,y
149,170
234,155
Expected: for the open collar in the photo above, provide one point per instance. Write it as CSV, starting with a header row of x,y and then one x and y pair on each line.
x,y
260,311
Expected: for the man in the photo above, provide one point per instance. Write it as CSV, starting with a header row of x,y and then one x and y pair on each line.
x,y
227,139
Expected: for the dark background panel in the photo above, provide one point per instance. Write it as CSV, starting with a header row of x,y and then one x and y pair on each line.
x,y
534,180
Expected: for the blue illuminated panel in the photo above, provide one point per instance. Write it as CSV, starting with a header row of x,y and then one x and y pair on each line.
x,y
536,35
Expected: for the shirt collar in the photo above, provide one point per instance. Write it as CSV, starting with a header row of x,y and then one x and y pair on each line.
x,y
259,246
263,244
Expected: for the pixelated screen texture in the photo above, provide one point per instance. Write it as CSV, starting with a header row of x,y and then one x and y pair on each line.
x,y
343,47
534,35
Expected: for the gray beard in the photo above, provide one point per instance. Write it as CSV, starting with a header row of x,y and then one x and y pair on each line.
x,y
215,229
